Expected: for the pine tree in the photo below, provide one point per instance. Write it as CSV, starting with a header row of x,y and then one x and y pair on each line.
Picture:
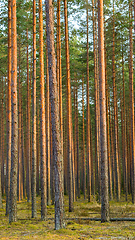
x,y
57,149
103,134
14,141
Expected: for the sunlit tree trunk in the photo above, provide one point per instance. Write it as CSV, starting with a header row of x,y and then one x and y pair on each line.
x,y
96,93
60,81
57,149
8,165
14,139
42,121
33,179
103,133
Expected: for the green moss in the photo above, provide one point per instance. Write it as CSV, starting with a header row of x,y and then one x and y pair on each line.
x,y
28,228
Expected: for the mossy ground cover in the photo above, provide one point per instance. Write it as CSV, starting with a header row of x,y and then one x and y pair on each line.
x,y
28,228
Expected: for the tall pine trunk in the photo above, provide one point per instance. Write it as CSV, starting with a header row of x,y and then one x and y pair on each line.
x,y
131,100
8,166
43,125
28,130
83,136
115,117
14,138
33,179
48,136
57,149
103,133
88,154
69,114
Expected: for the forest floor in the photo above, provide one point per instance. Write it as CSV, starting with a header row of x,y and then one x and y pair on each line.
x,y
79,228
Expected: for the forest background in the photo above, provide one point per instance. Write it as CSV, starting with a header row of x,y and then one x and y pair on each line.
x,y
118,19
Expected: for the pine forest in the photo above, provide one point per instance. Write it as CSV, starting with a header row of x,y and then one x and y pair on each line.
x,y
67,135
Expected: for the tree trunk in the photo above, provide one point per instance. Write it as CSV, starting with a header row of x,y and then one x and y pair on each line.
x,y
42,123
83,136
69,114
3,140
60,83
33,179
103,136
124,133
57,149
23,154
131,100
14,147
38,152
19,175
108,133
115,118
88,122
48,137
28,130
8,167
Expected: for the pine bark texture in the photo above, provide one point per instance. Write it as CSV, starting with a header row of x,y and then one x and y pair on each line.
x,y
33,179
8,167
57,149
42,123
103,133
14,110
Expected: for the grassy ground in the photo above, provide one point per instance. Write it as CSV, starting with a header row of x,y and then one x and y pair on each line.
x,y
27,228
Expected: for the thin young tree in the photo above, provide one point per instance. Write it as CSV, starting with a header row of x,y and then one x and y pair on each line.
x,y
57,149
14,138
103,133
